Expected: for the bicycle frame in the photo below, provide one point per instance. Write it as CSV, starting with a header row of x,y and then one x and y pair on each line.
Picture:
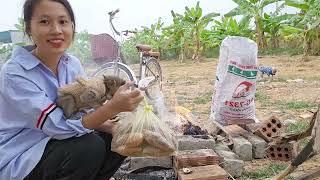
x,y
143,59
118,60
143,66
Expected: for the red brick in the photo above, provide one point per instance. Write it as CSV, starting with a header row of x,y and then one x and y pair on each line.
x,y
191,158
283,152
270,128
209,172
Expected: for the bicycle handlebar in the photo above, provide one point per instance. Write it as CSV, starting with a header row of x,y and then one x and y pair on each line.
x,y
111,16
113,13
126,32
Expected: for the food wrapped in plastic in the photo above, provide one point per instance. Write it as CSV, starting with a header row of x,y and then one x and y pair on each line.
x,y
142,133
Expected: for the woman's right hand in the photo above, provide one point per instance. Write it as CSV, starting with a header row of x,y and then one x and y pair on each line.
x,y
122,101
125,99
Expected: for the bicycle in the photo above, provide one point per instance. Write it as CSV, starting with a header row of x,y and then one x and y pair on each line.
x,y
149,67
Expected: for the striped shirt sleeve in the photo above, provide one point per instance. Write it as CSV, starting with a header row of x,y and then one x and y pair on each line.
x,y
44,114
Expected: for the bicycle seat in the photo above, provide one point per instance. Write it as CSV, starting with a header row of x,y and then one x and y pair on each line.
x,y
142,47
152,54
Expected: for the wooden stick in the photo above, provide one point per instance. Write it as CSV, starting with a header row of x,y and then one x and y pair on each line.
x,y
302,157
295,137
310,175
309,150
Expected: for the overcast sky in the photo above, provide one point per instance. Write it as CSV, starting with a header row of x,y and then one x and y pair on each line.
x,y
91,15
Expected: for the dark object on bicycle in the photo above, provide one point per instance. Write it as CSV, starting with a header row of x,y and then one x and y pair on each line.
x,y
152,54
146,51
87,93
103,48
142,47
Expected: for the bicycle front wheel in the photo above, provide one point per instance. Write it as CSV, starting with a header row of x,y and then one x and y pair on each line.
x,y
121,70
153,69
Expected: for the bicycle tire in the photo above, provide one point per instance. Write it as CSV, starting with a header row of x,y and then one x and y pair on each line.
x,y
155,89
108,69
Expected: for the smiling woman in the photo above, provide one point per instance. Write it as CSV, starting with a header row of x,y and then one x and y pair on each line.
x,y
51,26
37,140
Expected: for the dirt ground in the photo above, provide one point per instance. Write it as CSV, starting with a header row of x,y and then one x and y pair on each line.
x,y
191,84
297,82
294,90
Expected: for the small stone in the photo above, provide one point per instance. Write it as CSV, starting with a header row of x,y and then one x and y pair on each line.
x,y
186,170
289,121
306,116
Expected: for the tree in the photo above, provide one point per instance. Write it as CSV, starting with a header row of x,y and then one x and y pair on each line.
x,y
20,26
176,35
197,24
5,52
254,9
81,47
307,23
152,35
273,23
228,26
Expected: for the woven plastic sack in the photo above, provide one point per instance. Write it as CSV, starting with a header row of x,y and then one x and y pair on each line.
x,y
235,85
142,133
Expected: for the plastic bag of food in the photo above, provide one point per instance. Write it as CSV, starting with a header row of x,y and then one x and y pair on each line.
x,y
142,133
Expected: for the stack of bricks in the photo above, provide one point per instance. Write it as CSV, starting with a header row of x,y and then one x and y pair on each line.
x,y
252,142
232,164
191,158
202,163
245,144
270,130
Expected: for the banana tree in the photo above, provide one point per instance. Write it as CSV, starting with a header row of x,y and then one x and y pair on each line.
x,y
227,26
197,23
148,35
81,46
273,24
176,35
255,10
307,22
5,52
152,35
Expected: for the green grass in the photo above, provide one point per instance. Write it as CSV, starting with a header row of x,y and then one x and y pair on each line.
x,y
297,127
203,98
294,105
282,51
279,79
265,172
262,99
211,52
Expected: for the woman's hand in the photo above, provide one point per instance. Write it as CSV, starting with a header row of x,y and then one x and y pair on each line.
x,y
125,100
106,127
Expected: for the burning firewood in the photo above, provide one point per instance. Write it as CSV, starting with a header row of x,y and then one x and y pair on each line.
x,y
191,129
188,127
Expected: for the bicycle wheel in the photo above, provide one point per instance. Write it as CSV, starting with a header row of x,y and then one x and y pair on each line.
x,y
153,68
123,71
